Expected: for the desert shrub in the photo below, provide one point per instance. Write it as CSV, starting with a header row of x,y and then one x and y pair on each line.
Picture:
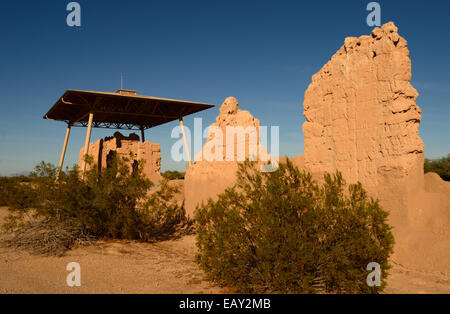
x,y
5,190
173,175
441,166
163,216
112,203
9,186
283,232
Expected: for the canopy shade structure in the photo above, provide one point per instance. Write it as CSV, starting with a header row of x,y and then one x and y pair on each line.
x,y
121,110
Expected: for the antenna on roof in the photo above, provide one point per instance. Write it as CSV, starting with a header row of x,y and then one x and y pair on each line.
x,y
121,80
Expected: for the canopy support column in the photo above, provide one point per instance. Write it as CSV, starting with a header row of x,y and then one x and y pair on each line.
x,y
185,141
142,135
63,153
88,138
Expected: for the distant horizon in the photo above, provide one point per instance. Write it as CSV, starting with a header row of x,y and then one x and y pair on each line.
x,y
262,53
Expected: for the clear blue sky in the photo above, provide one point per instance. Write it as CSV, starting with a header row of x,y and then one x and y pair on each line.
x,y
262,52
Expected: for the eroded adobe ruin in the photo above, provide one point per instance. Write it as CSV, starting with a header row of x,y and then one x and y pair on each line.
x,y
213,170
362,119
129,147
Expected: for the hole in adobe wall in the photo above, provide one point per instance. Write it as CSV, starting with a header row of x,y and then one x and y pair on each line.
x,y
112,155
135,167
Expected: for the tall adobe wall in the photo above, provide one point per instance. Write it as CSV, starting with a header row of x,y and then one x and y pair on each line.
x,y
362,119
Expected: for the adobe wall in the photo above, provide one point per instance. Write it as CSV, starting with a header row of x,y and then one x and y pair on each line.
x,y
362,119
211,173
123,146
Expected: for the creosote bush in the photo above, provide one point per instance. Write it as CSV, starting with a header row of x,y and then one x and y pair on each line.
x,y
173,175
441,166
9,186
51,215
282,232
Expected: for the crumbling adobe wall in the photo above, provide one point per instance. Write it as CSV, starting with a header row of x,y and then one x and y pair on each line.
x,y
362,119
209,176
123,146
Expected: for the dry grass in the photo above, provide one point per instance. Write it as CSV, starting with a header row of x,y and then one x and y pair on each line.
x,y
44,237
47,238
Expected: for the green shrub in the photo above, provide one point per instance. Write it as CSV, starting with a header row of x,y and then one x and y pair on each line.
x,y
5,188
441,166
112,203
173,175
9,186
283,232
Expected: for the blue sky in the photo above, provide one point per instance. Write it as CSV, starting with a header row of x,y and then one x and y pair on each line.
x,y
262,52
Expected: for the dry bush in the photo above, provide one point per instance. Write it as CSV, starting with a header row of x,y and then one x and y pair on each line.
x,y
47,237
51,216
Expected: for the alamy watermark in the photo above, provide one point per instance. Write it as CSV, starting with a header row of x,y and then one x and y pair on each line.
x,y
74,17
233,143
374,17
374,277
73,279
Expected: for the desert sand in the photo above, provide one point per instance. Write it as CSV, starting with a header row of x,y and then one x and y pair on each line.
x,y
107,267
163,267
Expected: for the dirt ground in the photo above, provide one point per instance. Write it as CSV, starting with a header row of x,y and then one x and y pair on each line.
x,y
132,267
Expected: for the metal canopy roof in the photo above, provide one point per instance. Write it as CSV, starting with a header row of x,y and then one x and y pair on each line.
x,y
120,110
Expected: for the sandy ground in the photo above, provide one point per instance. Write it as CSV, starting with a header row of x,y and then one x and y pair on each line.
x,y
131,267
109,267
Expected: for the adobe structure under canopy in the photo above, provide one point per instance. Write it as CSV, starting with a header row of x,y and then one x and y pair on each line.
x,y
124,109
